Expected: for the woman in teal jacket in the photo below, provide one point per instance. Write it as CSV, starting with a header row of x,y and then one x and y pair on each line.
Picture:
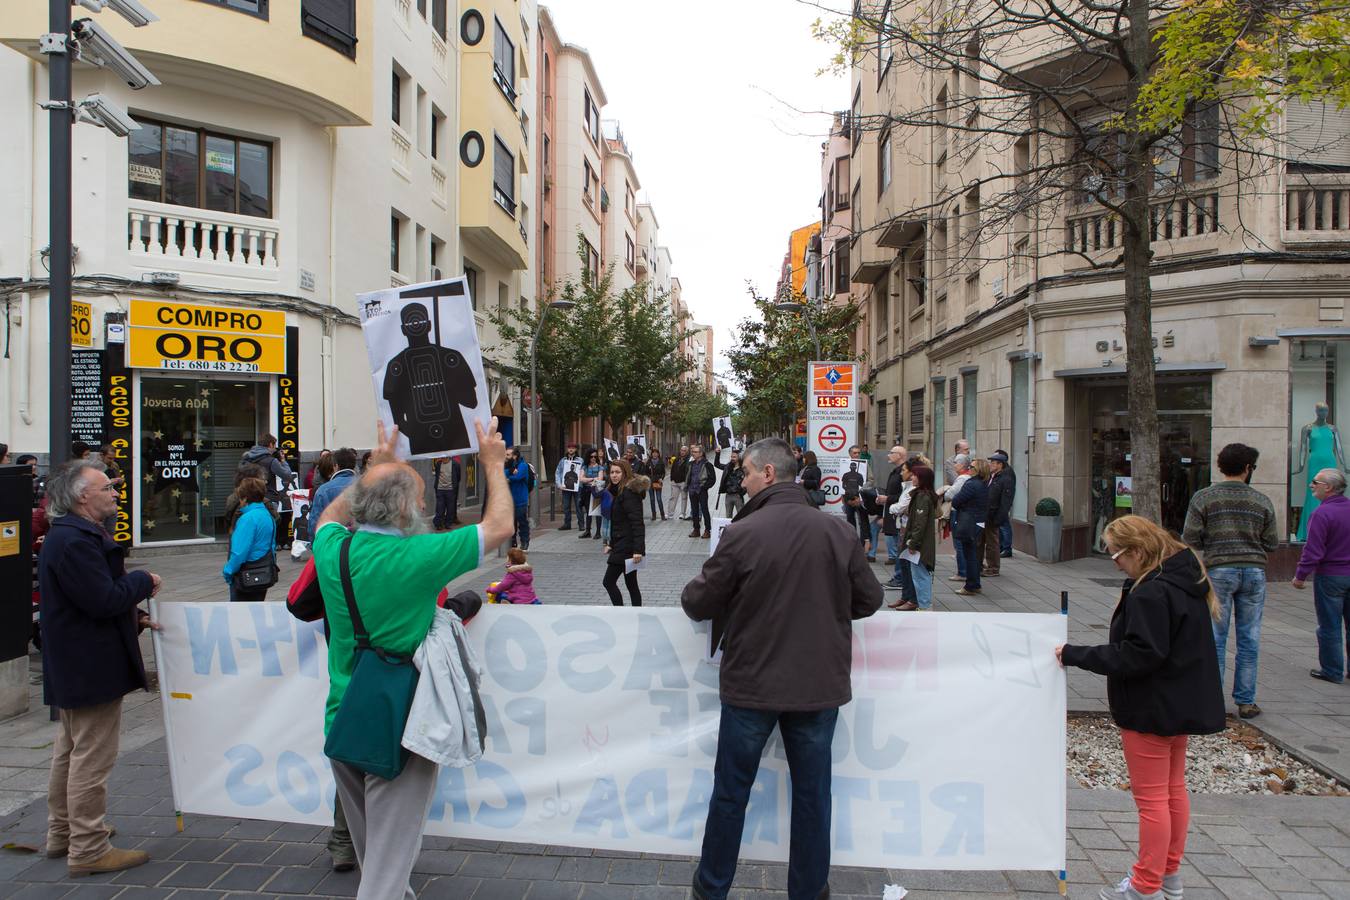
x,y
252,539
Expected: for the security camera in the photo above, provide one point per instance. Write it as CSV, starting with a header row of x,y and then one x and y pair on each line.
x,y
98,47
97,111
130,10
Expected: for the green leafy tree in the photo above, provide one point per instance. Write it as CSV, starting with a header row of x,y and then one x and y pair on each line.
x,y
691,409
610,355
770,356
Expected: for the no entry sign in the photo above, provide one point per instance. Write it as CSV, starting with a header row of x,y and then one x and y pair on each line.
x,y
831,408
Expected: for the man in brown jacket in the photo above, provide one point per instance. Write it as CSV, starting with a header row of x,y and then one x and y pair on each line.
x,y
784,586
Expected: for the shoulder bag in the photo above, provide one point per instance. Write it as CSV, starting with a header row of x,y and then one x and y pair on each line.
x,y
367,732
258,574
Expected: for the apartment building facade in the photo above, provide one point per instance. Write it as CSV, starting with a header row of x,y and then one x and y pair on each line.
x,y
215,276
1008,319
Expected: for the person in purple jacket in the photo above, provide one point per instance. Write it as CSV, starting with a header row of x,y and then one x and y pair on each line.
x,y
1326,557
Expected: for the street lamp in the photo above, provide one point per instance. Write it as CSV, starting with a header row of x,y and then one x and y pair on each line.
x,y
534,400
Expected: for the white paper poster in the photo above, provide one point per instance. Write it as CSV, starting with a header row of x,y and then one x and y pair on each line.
x,y
726,438
718,524
571,474
852,476
602,733
611,450
832,483
638,444
426,364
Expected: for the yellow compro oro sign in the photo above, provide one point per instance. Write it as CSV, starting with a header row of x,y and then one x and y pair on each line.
x,y
81,324
191,338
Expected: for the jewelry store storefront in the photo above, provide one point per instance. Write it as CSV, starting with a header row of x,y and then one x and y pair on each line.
x,y
187,392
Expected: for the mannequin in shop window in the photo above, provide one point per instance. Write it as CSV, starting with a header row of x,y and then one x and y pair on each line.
x,y
1319,447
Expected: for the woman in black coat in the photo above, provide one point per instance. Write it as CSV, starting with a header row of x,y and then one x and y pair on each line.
x,y
656,470
627,531
1162,685
968,511
810,479
730,489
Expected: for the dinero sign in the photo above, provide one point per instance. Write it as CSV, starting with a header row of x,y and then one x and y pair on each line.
x,y
187,337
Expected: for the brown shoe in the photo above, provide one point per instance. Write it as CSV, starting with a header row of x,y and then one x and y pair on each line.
x,y
62,852
113,861
906,606
694,533
707,534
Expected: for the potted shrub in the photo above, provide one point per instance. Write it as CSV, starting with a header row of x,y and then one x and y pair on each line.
x,y
1048,525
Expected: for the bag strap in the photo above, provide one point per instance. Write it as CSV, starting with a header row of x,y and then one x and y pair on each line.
x,y
344,565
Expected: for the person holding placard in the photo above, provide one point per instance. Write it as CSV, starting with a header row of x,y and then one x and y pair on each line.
x,y
918,548
1162,685
730,490
569,500
628,532
591,473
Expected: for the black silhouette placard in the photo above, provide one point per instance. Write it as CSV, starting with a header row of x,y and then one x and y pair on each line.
x,y
726,437
571,474
611,450
427,366
638,444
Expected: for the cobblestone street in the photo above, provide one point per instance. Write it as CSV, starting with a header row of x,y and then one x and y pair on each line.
x,y
1240,847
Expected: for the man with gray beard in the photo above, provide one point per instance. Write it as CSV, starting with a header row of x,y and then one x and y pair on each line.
x,y
397,568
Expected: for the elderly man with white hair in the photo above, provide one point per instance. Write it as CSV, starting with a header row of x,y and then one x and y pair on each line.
x,y
1326,557
377,531
91,658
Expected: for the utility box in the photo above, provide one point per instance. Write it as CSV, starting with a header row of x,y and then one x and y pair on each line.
x,y
16,580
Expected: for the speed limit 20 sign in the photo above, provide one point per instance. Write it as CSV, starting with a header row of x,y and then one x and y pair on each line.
x,y
81,324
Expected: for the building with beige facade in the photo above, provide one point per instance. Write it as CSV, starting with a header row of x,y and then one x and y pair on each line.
x,y
1005,325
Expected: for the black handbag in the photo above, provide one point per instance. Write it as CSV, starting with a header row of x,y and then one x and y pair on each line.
x,y
367,731
259,574
816,498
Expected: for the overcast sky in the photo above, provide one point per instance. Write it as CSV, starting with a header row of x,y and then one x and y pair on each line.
x,y
707,95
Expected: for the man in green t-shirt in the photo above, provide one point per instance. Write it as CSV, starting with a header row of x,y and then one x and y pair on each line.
x,y
397,569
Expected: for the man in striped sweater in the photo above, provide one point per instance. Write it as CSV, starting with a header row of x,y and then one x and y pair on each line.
x,y
1233,526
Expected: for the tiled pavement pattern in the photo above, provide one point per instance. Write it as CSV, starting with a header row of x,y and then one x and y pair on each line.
x,y
1258,847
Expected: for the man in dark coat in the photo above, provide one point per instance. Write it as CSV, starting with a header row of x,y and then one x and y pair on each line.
x,y
774,613
895,486
969,507
90,659
1001,488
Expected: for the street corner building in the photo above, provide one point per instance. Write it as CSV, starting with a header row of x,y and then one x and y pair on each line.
x,y
293,156
1001,322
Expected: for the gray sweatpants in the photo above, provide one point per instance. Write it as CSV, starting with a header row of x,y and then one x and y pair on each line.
x,y
386,819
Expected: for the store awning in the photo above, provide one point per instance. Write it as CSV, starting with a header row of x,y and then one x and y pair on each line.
x,y
1160,368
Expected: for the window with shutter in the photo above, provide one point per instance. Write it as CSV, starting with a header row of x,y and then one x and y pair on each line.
x,y
916,411
1318,135
330,22
951,398
504,62
504,177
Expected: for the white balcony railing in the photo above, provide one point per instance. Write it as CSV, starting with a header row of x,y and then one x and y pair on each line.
x,y
402,148
161,231
440,52
1173,219
403,11
438,195
1317,208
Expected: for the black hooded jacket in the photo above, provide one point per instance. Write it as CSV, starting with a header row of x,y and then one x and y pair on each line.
x,y
1162,672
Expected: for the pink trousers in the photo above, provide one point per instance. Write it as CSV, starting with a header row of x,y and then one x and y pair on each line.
x,y
1158,782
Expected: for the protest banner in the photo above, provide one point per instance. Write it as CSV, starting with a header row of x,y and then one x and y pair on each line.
x,y
638,444
569,476
611,450
603,732
722,431
427,366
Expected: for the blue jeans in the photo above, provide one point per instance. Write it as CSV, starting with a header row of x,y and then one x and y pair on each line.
x,y
968,561
1331,597
445,509
698,509
923,585
1005,537
522,527
893,551
740,741
1242,597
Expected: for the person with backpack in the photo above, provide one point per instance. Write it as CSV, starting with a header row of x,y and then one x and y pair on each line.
x,y
519,479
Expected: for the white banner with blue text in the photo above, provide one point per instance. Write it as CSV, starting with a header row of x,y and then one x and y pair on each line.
x,y
603,728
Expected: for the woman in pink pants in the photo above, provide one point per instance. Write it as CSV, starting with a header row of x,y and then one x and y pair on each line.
x,y
1162,684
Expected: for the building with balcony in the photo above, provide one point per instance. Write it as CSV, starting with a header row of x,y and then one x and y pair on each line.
x,y
218,252
1004,304
578,149
619,208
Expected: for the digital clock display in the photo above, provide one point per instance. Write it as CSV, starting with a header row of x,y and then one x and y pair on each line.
x,y
832,402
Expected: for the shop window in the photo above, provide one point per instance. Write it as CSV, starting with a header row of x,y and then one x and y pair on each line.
x,y
193,434
1184,424
1319,398
205,170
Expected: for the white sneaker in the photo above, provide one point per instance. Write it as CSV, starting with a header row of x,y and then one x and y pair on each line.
x,y
1126,891
1172,886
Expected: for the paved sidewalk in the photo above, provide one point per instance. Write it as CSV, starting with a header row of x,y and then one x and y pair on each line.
x,y
1286,847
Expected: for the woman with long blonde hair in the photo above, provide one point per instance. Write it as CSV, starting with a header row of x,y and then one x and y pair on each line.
x,y
1162,685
